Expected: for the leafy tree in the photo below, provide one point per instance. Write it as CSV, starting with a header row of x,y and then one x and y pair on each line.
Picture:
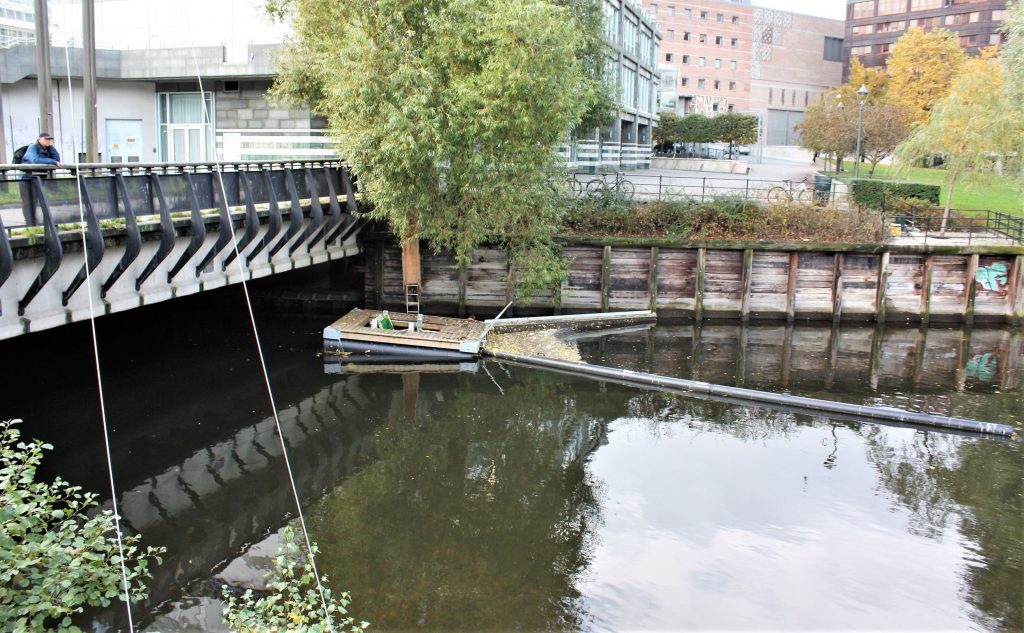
x,y
696,128
55,559
669,129
734,128
450,110
1011,55
886,125
922,69
972,127
828,129
292,600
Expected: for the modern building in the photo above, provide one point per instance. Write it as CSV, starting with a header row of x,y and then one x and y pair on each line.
x,y
633,42
873,26
720,56
17,22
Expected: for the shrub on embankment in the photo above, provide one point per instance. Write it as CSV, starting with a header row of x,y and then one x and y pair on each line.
x,y
873,194
722,219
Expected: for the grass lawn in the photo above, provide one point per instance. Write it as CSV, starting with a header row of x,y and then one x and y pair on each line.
x,y
988,192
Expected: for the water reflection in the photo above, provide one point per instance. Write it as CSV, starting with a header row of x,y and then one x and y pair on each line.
x,y
500,497
970,373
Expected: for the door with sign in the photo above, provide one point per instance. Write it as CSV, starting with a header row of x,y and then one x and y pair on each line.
x,y
124,140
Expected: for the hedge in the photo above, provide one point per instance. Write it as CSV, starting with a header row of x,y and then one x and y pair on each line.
x,y
872,193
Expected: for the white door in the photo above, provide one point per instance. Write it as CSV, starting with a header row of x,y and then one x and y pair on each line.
x,y
124,140
187,143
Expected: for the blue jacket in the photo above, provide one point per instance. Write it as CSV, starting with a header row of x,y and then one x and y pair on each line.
x,y
39,155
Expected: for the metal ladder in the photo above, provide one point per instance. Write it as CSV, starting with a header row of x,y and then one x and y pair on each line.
x,y
412,299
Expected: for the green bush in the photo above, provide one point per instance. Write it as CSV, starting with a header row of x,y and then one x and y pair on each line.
x,y
292,600
725,219
873,194
56,557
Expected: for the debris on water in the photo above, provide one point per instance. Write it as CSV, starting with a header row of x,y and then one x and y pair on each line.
x,y
546,343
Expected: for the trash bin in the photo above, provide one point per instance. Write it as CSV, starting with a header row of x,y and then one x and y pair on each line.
x,y
822,188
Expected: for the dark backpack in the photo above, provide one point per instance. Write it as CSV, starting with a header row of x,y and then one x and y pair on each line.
x,y
19,154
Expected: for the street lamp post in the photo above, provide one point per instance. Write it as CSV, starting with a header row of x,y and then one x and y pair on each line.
x,y
862,97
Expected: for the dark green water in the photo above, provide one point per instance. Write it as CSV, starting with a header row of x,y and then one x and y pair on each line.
x,y
500,497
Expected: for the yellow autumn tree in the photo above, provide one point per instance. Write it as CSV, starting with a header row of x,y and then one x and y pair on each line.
x,y
973,127
922,68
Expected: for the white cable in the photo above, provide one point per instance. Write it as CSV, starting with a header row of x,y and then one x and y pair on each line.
x,y
96,351
259,349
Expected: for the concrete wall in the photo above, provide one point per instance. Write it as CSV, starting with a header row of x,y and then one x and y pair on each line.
x,y
249,108
115,100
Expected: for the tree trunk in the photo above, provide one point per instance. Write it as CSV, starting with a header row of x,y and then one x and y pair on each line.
x,y
949,201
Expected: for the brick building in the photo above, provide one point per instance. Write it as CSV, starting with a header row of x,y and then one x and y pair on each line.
x,y
873,26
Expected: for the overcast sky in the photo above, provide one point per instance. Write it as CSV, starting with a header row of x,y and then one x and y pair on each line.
x,y
835,9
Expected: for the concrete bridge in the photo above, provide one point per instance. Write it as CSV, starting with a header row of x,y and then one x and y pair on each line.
x,y
154,232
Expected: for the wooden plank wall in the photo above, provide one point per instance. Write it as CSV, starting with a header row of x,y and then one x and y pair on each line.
x,y
725,283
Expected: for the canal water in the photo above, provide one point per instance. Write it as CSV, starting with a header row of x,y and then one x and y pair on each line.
x,y
488,496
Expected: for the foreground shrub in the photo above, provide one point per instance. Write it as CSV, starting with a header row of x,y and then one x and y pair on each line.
x,y
726,219
873,194
291,601
55,560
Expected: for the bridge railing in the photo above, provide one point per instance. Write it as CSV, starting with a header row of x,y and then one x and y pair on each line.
x,y
291,207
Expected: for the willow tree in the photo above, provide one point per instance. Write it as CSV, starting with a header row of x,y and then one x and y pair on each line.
x,y
973,127
451,111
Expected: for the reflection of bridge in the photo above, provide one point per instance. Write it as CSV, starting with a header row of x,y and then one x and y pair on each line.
x,y
155,232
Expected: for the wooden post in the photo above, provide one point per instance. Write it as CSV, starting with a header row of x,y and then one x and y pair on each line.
x,y
876,354
698,295
794,267
463,280
606,270
787,354
926,289
880,287
652,279
510,284
833,355
1015,307
920,345
381,247
837,286
962,349
695,352
411,271
748,272
970,289
741,370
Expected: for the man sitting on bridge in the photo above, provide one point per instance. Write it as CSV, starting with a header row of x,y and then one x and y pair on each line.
x,y
42,152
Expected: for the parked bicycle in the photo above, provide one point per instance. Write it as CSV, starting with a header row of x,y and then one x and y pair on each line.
x,y
791,192
619,184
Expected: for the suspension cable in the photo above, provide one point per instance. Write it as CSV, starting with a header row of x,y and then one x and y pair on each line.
x,y
96,351
208,122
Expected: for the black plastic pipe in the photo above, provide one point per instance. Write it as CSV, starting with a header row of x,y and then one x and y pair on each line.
x,y
886,414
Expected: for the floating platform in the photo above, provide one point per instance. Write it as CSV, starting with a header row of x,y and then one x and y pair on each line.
x,y
440,338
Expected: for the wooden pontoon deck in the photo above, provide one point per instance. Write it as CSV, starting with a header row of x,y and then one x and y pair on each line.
x,y
352,333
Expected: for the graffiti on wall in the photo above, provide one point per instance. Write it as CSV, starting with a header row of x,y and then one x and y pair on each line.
x,y
993,278
705,104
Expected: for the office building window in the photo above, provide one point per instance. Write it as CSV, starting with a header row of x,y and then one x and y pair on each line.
x,y
889,7
734,42
700,83
686,59
998,15
670,34
968,40
833,49
921,5
863,9
891,27
654,10
718,40
703,15
783,100
688,13
685,81
720,17
671,10
714,107
732,64
860,50
732,86
717,84
735,19
731,107
770,91
668,57
703,38
867,29
686,36
702,61
718,63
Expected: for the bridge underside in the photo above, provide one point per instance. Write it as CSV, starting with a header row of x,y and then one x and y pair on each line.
x,y
153,233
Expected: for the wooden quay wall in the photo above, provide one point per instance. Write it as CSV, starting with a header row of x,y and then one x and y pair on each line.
x,y
732,280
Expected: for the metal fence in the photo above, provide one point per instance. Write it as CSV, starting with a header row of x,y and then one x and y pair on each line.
x,y
964,226
654,188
